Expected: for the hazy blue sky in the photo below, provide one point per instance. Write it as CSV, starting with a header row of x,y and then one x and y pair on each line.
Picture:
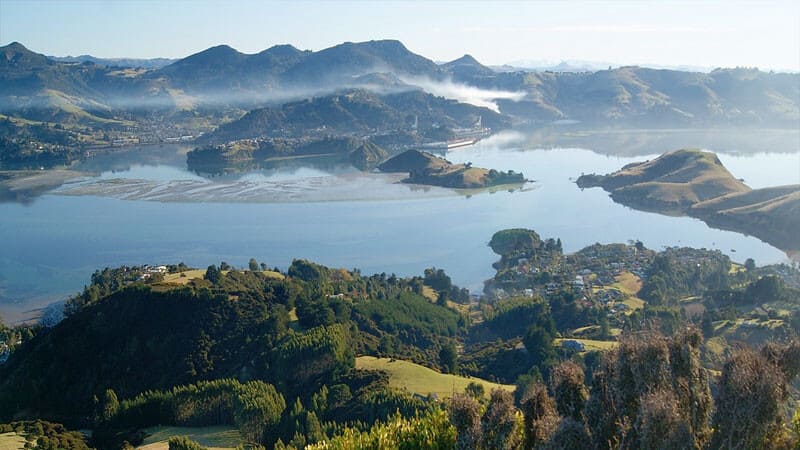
x,y
702,33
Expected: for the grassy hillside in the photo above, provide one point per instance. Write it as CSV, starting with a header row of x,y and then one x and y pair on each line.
x,y
11,441
590,344
421,380
676,179
218,437
695,183
181,278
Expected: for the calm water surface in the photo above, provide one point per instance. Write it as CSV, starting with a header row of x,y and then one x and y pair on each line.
x,y
51,247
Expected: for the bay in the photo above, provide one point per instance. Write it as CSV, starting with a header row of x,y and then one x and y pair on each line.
x,y
344,218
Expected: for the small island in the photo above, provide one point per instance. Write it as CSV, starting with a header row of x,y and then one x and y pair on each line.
x,y
696,184
428,169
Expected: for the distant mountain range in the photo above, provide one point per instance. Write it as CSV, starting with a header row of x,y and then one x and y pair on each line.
x,y
211,87
577,65
146,63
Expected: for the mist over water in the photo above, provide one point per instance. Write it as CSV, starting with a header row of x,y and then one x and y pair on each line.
x,y
259,94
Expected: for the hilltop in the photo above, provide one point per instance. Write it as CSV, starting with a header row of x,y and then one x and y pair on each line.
x,y
695,183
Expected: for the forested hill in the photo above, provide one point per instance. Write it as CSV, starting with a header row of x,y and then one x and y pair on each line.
x,y
236,324
271,354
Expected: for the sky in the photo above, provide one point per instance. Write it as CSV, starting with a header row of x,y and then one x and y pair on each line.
x,y
703,33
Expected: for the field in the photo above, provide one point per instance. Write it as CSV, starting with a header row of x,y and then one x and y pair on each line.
x,y
181,278
11,441
591,344
421,380
629,284
218,437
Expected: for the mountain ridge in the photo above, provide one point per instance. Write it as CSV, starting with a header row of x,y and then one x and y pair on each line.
x,y
100,105
630,94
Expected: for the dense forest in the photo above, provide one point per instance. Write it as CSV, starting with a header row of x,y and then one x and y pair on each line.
x,y
614,346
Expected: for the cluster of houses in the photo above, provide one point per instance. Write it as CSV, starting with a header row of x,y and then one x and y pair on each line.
x,y
148,271
589,273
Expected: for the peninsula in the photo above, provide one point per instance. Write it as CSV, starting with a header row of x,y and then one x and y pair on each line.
x,y
695,183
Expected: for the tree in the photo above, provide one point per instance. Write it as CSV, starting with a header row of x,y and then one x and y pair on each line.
x,y
622,406
572,434
466,418
213,274
752,391
749,264
662,424
183,443
257,408
108,406
314,432
253,265
448,358
765,289
605,327
475,390
540,417
499,422
570,390
539,344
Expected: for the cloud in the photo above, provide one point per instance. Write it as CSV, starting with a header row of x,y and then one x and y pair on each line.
x,y
463,92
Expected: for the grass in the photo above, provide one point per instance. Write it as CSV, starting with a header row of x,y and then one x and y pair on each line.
x,y
422,380
194,274
429,293
67,103
628,283
736,268
189,275
586,329
433,297
634,303
11,441
591,344
217,437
